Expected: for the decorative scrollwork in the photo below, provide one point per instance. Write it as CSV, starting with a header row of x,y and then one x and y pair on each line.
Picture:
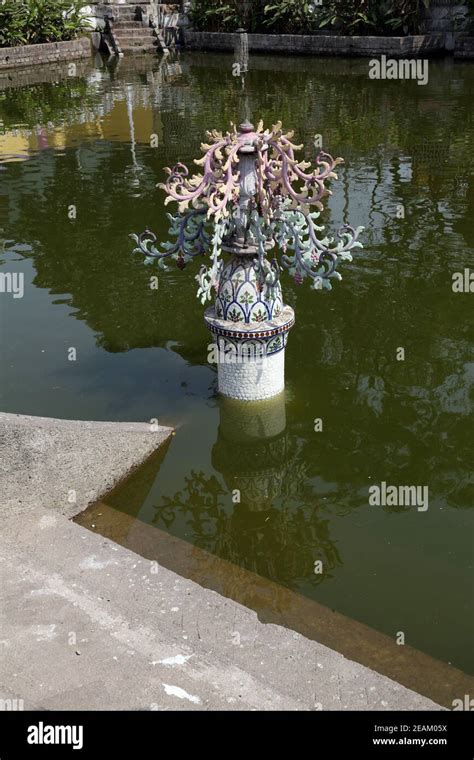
x,y
211,210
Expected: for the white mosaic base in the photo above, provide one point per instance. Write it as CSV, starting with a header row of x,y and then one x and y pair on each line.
x,y
251,381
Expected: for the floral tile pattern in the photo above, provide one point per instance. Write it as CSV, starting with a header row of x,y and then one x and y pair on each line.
x,y
239,297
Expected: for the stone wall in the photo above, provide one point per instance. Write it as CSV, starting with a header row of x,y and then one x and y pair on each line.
x,y
446,16
31,55
418,45
464,48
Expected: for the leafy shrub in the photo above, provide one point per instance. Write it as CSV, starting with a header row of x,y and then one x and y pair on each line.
x,y
374,16
33,21
384,17
292,16
278,16
13,21
224,15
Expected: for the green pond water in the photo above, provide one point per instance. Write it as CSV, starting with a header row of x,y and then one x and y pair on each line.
x,y
84,141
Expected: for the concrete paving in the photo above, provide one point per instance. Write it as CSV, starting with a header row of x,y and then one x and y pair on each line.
x,y
88,624
67,464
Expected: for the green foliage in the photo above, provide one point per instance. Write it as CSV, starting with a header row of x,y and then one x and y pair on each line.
x,y
292,16
223,15
24,22
382,17
13,23
276,16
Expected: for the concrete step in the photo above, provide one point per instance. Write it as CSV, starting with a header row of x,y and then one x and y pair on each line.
x,y
125,15
126,42
139,50
121,16
145,39
132,10
143,34
126,47
134,45
129,25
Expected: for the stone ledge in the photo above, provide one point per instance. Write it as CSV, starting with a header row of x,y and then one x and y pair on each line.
x,y
28,55
64,465
303,44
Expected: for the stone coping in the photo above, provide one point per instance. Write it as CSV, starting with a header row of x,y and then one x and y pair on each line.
x,y
48,52
320,44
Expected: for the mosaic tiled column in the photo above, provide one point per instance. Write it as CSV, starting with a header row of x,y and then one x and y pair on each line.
x,y
249,324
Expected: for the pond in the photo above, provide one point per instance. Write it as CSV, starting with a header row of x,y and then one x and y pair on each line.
x,y
78,174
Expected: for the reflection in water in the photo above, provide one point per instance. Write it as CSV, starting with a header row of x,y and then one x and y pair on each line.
x,y
134,170
259,519
76,110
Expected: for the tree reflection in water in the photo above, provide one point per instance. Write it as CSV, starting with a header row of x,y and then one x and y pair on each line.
x,y
257,516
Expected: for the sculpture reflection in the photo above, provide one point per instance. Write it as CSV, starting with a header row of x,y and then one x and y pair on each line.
x,y
256,517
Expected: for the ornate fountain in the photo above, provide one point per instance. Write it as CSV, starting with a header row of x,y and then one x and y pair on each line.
x,y
253,200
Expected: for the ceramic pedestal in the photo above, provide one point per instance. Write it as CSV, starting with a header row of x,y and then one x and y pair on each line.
x,y
249,324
